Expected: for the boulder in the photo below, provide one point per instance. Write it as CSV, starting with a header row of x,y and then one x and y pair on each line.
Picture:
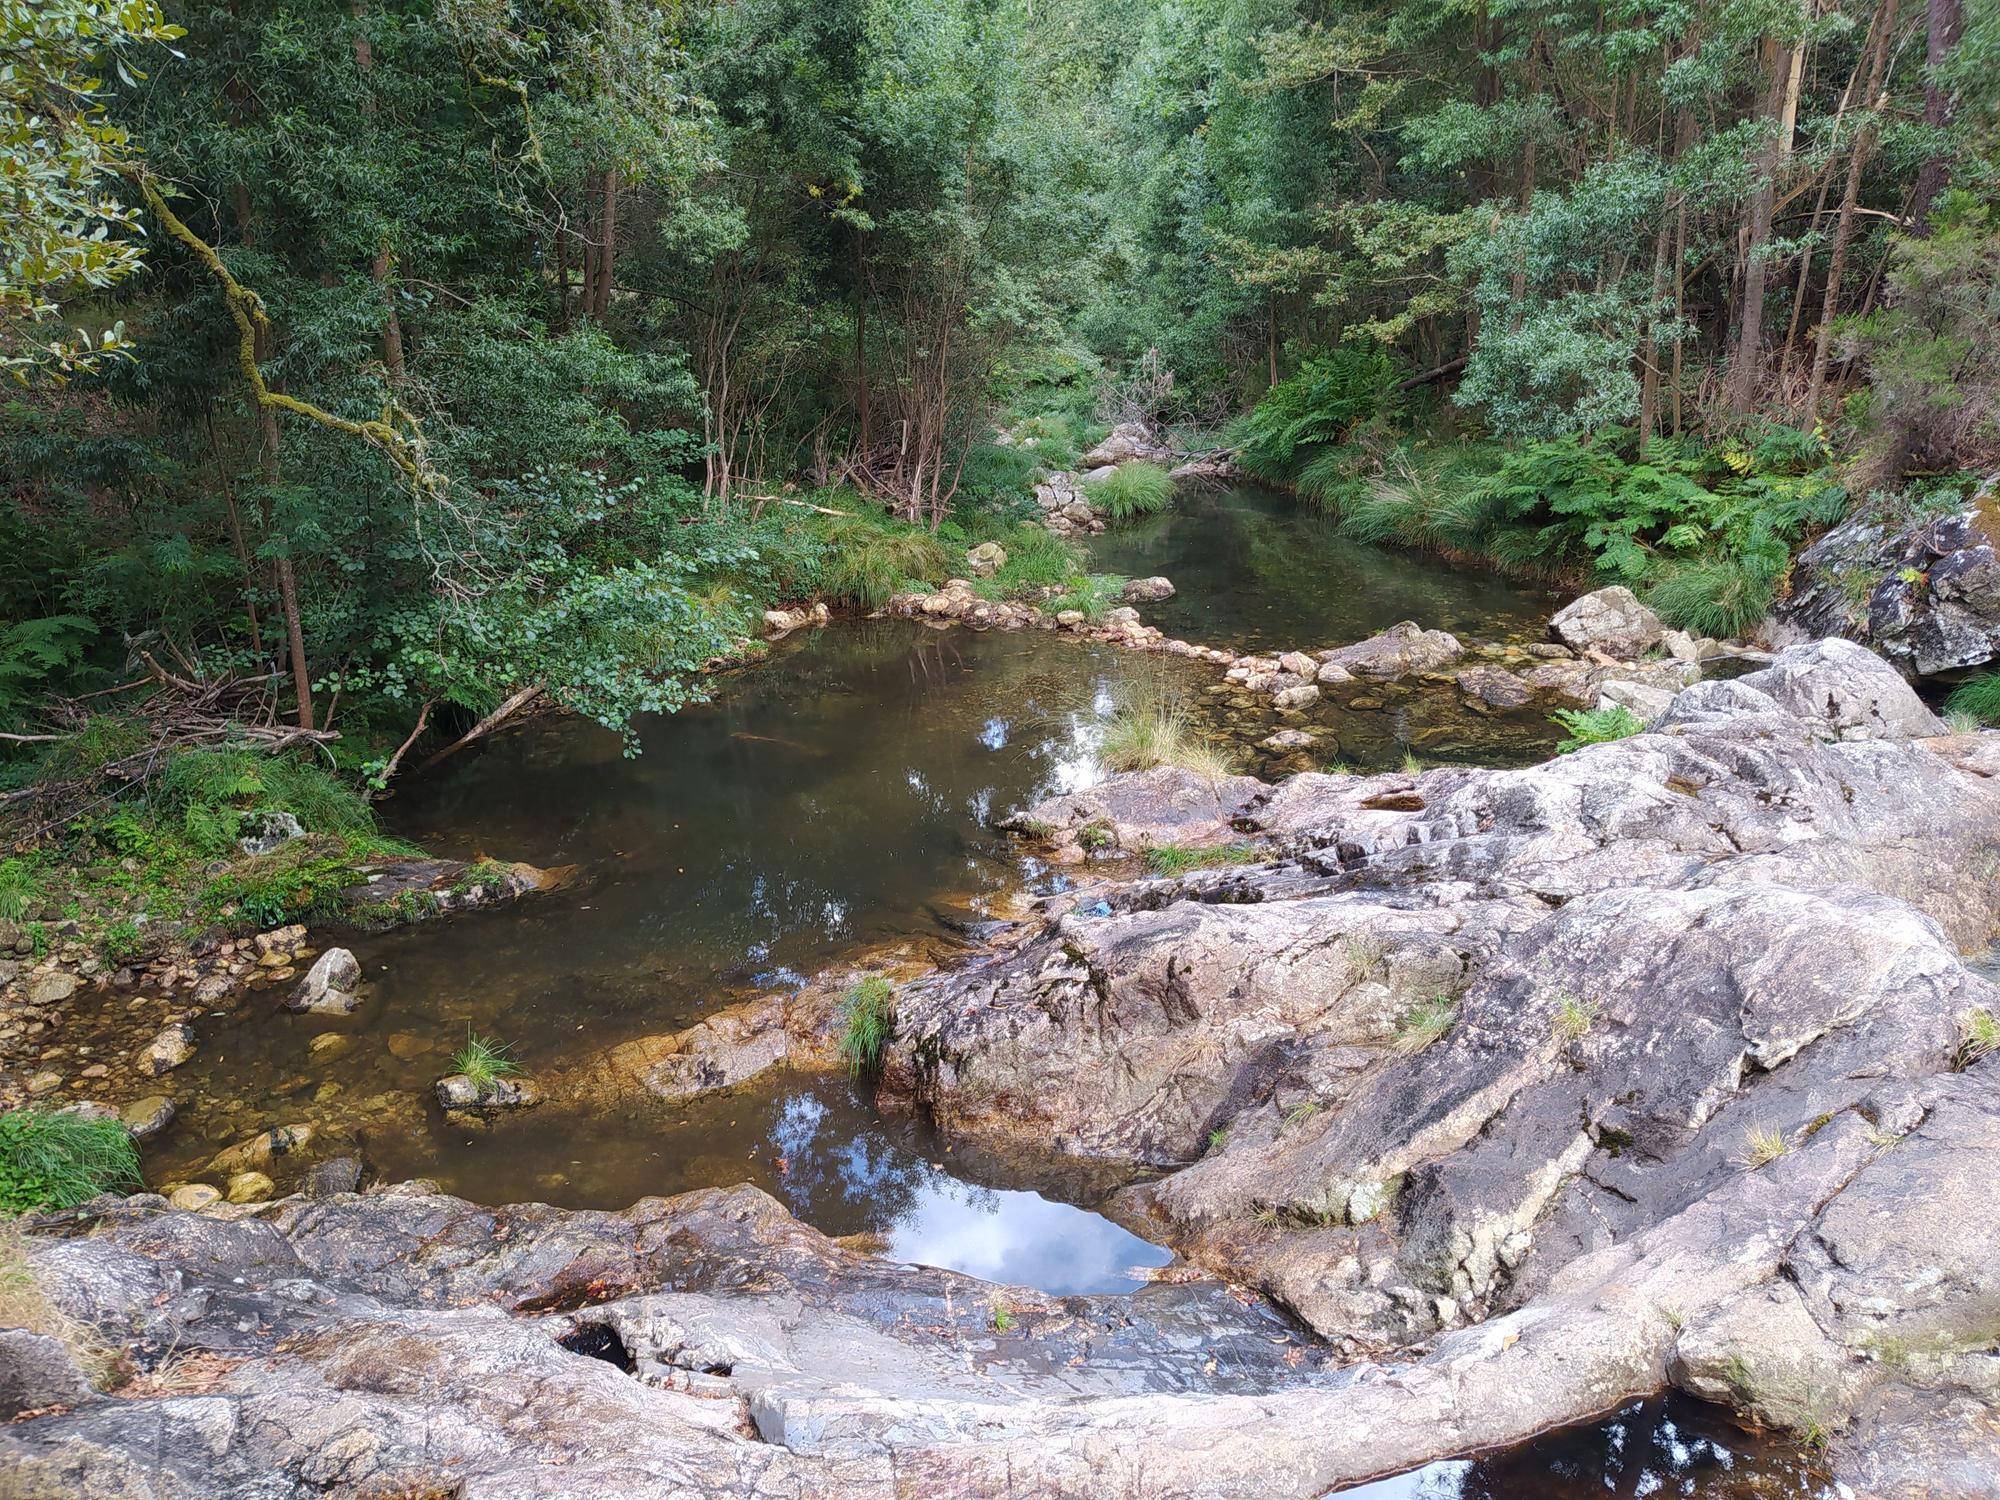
x,y
1495,686
273,831
986,559
38,1372
193,1197
1643,700
327,1179
1403,650
1166,805
148,1117
167,1051
459,1094
1129,442
330,987
1293,699
52,988
1147,590
1287,740
1854,692
1610,620
1924,591
250,1187
260,1150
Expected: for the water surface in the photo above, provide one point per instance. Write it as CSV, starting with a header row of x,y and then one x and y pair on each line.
x,y
1258,570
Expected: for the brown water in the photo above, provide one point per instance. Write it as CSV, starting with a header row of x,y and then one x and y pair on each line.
x,y
1676,1447
1257,570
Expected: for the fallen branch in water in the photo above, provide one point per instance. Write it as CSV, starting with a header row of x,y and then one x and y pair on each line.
x,y
487,725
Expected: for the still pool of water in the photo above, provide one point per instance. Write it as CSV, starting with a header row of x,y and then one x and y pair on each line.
x,y
1255,569
1675,1447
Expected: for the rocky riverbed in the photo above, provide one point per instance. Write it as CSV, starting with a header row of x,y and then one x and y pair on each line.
x,y
1525,1092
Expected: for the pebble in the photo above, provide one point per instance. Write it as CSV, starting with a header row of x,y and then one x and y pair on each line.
x,y
250,1187
194,1196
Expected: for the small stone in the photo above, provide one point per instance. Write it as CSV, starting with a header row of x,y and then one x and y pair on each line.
x,y
250,1187
1299,665
147,1117
193,1197
458,1092
1147,590
409,1044
330,985
1286,740
44,1083
167,1051
261,1149
340,1175
52,988
1292,699
327,1043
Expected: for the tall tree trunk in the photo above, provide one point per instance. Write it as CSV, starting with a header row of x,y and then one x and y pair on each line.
x,y
1649,352
235,528
1271,333
1781,105
1944,23
863,398
607,247
272,470
379,265
1843,229
593,239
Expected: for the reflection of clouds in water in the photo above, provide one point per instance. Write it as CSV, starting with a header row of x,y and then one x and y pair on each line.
x,y
994,735
979,806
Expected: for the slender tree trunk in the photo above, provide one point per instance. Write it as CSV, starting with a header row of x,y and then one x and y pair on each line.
x,y
1271,333
1944,23
288,591
379,266
607,250
863,398
1781,106
1649,353
593,239
235,528
1843,229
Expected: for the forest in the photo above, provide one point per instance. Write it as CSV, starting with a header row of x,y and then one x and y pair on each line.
x,y
409,355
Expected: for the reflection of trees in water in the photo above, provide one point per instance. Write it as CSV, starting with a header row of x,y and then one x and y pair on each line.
x,y
862,1170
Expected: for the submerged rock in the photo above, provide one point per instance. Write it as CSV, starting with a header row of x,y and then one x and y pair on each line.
x,y
167,1051
460,1094
1403,650
1610,620
1147,590
148,1117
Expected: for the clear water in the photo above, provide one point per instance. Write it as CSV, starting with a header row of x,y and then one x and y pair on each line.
x,y
1258,570
1675,1447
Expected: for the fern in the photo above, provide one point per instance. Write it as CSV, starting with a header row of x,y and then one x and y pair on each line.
x,y
37,655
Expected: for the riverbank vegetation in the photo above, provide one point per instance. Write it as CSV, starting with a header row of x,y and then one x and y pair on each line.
x,y
422,361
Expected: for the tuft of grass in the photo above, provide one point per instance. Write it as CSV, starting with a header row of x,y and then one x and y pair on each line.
x,y
1977,698
21,889
53,1159
867,564
1595,726
1978,1036
1003,1316
1424,1023
1573,1018
23,1304
868,1020
1761,1147
485,1060
1093,596
1299,1113
1717,596
1217,1139
1958,721
1036,559
1135,489
1179,859
1154,727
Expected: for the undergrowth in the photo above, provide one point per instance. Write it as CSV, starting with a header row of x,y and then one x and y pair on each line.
x,y
1180,859
1596,726
51,1159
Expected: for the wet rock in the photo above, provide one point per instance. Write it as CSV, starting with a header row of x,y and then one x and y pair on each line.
x,y
1166,805
52,988
408,1045
261,1149
44,1083
330,986
173,1046
1287,740
328,1179
329,1043
148,1117
1147,590
1924,591
1293,699
1402,650
784,621
460,1094
1610,620
36,1373
721,1052
1332,673
250,1187
986,559
193,1197
1496,687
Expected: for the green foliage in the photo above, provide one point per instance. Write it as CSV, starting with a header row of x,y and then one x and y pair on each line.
x,y
51,1159
1036,559
1134,489
1978,697
39,656
1319,407
869,564
867,1022
1093,596
1596,726
217,796
485,1060
1978,1037
21,887
1719,595
1180,859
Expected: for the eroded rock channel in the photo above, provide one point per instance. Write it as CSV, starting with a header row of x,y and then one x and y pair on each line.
x,y
1474,1102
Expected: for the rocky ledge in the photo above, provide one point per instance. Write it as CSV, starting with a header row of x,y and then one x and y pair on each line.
x,y
1528,1092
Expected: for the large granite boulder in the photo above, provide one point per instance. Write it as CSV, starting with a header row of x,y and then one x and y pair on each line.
x,y
1128,442
1611,621
1403,650
1924,591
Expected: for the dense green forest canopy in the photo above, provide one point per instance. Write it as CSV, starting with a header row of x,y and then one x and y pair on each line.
x,y
416,353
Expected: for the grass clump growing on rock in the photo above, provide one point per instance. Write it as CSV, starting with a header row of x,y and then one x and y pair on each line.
x,y
1154,727
1595,726
1978,1036
1763,1146
1424,1023
1717,596
485,1060
1179,859
1093,596
868,1019
1573,1018
1135,489
51,1159
1977,698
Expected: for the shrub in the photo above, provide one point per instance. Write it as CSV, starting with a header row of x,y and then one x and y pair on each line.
x,y
485,1060
1093,596
868,564
1978,697
1596,726
1135,489
1717,596
50,1159
1319,406
868,1020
